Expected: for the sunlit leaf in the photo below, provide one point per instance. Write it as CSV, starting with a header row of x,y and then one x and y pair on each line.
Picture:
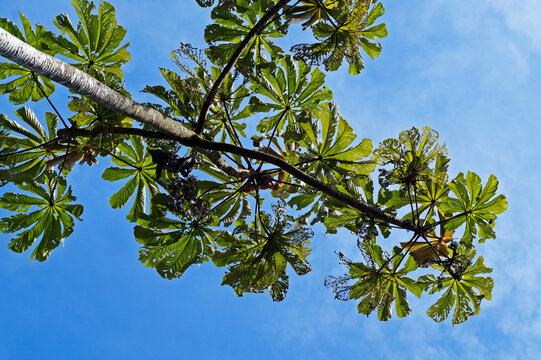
x,y
378,284
172,246
24,84
95,42
258,256
330,154
476,206
463,292
136,164
342,33
47,214
233,23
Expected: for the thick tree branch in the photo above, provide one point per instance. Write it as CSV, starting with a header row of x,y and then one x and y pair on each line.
x,y
199,143
82,83
77,132
258,27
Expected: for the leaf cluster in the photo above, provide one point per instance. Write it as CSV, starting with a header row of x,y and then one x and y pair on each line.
x,y
343,30
268,121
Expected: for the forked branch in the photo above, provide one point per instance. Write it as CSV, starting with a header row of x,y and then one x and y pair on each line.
x,y
84,84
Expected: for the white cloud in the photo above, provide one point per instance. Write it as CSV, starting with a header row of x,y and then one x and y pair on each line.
x,y
522,17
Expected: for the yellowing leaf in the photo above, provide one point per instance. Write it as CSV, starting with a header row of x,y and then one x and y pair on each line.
x,y
425,252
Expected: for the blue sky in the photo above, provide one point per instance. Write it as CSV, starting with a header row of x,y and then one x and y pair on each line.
x,y
467,69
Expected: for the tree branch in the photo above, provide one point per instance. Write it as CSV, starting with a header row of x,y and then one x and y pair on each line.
x,y
198,143
25,55
258,27
84,84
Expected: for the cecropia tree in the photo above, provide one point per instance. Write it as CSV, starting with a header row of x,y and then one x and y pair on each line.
x,y
240,121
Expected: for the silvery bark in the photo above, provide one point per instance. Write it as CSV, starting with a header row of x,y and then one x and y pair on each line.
x,y
25,55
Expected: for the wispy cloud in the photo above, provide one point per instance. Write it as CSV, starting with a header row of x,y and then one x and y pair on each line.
x,y
522,17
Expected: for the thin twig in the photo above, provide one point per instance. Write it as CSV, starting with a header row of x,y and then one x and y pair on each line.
x,y
29,149
124,161
413,239
272,136
217,186
227,198
258,211
427,227
60,171
330,16
239,143
43,92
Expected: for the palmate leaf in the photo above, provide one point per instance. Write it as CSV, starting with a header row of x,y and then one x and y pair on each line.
x,y
95,43
52,220
287,90
378,284
187,90
331,212
314,207
88,112
207,3
135,163
186,97
312,11
230,202
28,133
38,148
422,145
463,292
233,23
346,30
257,255
359,188
412,156
428,196
475,205
347,220
24,86
183,100
172,246
329,154
430,249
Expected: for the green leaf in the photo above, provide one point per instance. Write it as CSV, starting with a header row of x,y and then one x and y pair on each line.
x,y
475,205
172,246
463,292
378,284
288,92
301,201
313,11
233,23
342,35
329,154
25,85
230,202
88,112
95,42
136,164
349,221
33,148
52,221
122,196
257,258
114,173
